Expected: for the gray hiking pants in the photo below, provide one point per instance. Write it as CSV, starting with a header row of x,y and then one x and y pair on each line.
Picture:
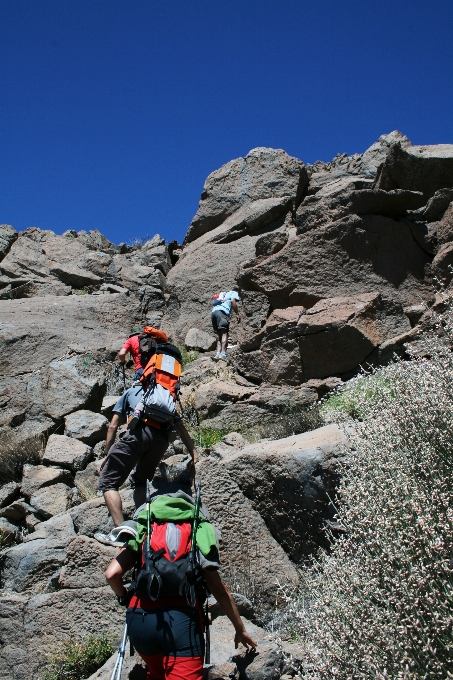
x,y
142,447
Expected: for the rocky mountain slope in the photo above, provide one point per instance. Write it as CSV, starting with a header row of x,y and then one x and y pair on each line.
x,y
336,264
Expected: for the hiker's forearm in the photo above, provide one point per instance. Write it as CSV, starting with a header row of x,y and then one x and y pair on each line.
x,y
186,439
116,570
223,597
122,355
110,438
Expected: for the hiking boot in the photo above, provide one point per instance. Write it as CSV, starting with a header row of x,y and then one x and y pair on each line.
x,y
119,535
222,356
217,356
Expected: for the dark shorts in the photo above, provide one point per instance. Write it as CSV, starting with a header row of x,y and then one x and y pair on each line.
x,y
168,631
220,320
142,447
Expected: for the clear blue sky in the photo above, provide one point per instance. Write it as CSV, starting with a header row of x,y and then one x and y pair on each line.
x,y
113,112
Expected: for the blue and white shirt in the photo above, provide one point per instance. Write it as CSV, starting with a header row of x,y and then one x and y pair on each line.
x,y
225,307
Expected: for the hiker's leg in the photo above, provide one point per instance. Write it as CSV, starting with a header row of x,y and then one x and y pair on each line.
x,y
145,633
219,341
183,667
115,506
224,340
185,662
121,460
146,466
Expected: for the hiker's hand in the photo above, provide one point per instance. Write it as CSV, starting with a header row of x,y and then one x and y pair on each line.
x,y
195,458
244,638
238,318
104,460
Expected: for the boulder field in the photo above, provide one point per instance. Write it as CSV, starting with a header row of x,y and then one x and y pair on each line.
x,y
337,264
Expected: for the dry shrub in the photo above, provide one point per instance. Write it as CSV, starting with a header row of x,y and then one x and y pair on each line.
x,y
380,604
15,453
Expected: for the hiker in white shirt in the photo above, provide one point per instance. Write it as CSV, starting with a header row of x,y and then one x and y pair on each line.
x,y
220,316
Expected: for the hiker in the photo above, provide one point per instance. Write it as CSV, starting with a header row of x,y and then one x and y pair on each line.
x,y
140,345
143,446
220,317
131,346
164,605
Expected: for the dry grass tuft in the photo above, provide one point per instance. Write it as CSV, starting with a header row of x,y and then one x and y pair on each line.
x,y
14,454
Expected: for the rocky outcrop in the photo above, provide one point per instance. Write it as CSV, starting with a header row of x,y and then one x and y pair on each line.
x,y
336,263
262,174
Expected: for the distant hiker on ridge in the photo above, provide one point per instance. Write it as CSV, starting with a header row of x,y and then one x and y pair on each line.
x,y
145,441
220,317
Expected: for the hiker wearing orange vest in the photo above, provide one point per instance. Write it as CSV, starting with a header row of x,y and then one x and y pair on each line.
x,y
147,438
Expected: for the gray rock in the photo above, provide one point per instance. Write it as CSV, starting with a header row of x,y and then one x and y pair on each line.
x,y
337,335
378,202
445,226
17,511
197,339
91,517
245,563
417,168
52,500
73,275
442,263
8,493
86,426
31,565
292,478
435,207
263,173
79,390
107,405
66,452
7,236
36,477
271,243
85,563
46,617
349,257
214,395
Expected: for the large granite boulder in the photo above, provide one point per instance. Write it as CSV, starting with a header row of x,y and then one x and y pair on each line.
x,y
34,564
417,168
86,426
263,173
246,541
291,483
52,500
7,236
36,477
66,452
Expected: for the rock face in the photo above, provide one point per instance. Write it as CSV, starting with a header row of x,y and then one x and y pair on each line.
x,y
263,173
335,263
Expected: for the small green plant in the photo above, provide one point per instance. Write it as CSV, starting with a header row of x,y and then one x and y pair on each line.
x,y
188,355
206,437
82,292
360,394
78,660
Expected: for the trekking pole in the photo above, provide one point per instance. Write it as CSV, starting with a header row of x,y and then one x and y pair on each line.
x,y
124,376
193,546
116,674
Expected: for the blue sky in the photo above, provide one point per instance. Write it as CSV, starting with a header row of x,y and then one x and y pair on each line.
x,y
113,112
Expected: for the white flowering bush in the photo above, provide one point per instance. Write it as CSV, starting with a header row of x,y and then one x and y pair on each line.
x,y
380,604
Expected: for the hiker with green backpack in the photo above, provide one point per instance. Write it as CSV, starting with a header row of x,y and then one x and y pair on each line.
x,y
175,555
148,435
